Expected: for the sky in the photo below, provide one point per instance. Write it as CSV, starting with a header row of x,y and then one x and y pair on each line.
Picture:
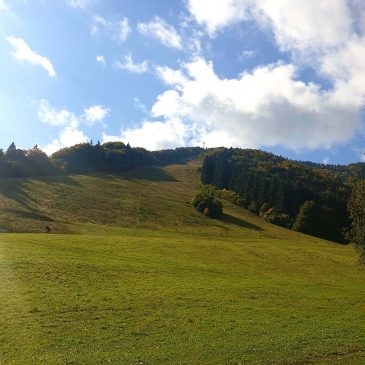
x,y
285,76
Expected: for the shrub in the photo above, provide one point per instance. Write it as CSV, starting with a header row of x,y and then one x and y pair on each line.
x,y
273,216
253,207
231,196
264,208
208,205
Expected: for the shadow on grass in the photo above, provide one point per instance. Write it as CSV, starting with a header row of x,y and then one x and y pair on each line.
x,y
29,215
149,173
230,219
16,189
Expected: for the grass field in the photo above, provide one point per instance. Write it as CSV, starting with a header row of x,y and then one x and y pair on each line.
x,y
151,281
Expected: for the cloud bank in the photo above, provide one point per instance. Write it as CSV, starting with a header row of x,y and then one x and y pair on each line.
x,y
269,105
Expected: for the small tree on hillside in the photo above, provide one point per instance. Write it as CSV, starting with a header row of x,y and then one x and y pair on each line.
x,y
274,216
208,205
307,218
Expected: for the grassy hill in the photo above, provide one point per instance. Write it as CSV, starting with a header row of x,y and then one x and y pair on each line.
x,y
142,278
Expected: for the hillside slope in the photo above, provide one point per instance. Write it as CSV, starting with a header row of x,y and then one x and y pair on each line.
x,y
144,197
145,279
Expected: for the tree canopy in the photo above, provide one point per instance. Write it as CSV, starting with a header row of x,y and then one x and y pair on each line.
x,y
266,181
356,207
86,158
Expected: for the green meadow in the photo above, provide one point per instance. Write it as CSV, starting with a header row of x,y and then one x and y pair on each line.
x,y
132,274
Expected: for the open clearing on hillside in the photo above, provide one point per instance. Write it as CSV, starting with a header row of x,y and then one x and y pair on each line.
x,y
152,281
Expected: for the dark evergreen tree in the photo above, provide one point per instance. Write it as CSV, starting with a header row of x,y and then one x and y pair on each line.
x,y
356,208
307,219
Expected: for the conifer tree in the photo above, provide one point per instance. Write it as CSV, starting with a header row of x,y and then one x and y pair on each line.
x,y
356,208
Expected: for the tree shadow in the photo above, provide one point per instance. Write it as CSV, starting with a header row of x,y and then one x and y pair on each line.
x,y
16,189
29,215
230,219
57,179
149,173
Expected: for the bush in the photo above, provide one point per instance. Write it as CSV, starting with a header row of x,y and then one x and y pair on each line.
x,y
253,207
208,205
232,197
264,208
273,216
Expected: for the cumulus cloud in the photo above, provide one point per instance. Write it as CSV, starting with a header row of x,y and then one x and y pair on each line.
x,y
271,105
95,113
154,135
164,32
131,66
265,107
301,25
67,137
214,15
22,52
117,30
306,25
56,118
70,133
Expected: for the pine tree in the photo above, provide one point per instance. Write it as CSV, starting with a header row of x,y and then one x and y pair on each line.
x,y
356,208
307,219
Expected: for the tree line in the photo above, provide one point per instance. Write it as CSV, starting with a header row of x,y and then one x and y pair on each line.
x,y
304,196
86,158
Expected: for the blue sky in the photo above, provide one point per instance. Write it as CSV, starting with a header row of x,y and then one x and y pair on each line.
x,y
284,76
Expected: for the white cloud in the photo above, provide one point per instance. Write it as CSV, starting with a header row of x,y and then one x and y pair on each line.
x,y
68,137
78,3
154,135
49,115
170,76
299,25
252,111
100,59
70,133
130,66
328,36
123,30
217,14
3,5
159,29
305,25
95,113
117,30
22,52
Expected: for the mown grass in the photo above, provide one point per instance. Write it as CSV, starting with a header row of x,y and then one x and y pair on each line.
x,y
136,296
162,284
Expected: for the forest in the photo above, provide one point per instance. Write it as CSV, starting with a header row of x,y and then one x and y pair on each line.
x,y
304,196
86,158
